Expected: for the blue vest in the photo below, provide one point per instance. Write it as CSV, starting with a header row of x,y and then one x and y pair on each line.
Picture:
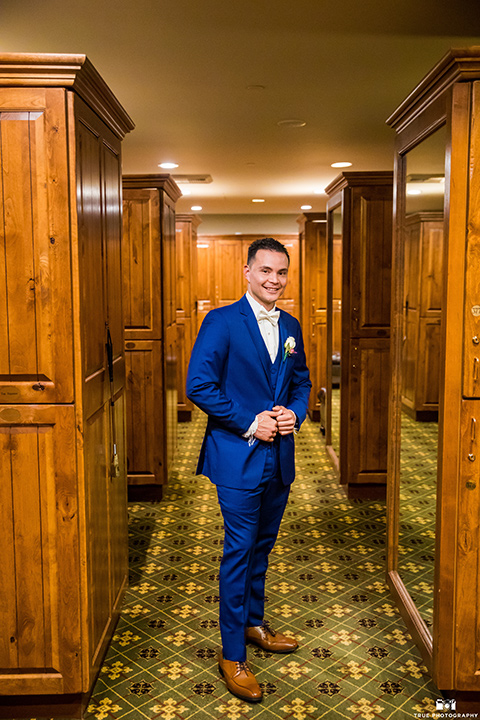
x,y
275,369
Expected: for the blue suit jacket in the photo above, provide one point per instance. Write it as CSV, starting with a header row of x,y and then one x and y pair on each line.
x,y
229,378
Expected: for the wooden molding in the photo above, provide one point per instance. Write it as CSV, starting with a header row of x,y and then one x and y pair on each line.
x,y
195,220
160,181
458,64
74,72
350,179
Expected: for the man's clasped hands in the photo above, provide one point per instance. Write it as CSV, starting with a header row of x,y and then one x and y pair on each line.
x,y
278,420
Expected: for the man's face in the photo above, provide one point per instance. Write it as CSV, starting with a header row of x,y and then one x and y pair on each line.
x,y
267,277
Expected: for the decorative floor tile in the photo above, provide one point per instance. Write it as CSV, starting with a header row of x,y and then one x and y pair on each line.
x,y
325,586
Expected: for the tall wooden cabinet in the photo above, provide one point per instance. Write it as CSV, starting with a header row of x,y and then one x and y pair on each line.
x,y
313,288
359,214
149,282
422,308
437,131
186,307
63,520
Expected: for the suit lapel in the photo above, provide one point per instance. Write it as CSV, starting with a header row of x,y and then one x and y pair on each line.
x,y
253,329
282,336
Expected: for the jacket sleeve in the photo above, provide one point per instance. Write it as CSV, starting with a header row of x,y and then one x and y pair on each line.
x,y
204,377
300,385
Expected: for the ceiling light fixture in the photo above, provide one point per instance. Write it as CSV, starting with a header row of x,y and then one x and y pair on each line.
x,y
258,200
341,164
168,165
196,208
319,191
413,191
292,123
306,207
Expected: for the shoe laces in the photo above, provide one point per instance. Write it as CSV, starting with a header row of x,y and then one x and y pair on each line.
x,y
243,667
266,626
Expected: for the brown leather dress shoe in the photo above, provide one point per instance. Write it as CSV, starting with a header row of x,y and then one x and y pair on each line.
x,y
240,680
265,637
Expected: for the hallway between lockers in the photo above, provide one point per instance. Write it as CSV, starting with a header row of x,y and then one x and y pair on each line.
x,y
325,585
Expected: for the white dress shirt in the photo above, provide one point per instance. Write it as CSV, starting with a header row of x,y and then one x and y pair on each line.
x,y
268,331
270,336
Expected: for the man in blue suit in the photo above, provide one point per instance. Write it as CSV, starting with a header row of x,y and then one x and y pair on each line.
x,y
248,373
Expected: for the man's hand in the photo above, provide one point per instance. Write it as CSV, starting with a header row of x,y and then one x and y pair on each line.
x,y
267,425
286,419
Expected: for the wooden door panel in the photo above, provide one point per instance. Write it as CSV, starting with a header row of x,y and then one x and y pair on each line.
x,y
145,412
170,389
142,267
184,348
39,596
371,253
429,364
409,359
97,478
228,271
113,248
36,354
368,410
432,267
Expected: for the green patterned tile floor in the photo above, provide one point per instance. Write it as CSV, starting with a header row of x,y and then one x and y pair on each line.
x,y
418,495
325,585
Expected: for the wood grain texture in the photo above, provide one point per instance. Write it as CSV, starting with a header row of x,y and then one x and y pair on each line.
x,y
358,317
150,288
65,520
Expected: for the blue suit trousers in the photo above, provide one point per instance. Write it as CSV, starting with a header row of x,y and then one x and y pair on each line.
x,y
251,521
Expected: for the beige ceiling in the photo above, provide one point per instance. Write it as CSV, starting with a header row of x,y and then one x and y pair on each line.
x,y
184,71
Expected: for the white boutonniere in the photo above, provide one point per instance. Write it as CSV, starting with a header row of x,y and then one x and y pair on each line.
x,y
289,348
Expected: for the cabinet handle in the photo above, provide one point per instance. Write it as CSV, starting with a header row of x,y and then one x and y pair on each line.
x,y
473,433
476,361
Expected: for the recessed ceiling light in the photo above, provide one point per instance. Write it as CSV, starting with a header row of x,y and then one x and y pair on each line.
x,y
196,208
319,191
414,191
341,164
292,123
306,207
168,165
319,221
258,200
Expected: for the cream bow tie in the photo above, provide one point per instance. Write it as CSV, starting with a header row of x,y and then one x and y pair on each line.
x,y
272,316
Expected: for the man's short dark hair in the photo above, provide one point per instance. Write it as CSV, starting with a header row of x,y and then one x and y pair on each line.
x,y
266,244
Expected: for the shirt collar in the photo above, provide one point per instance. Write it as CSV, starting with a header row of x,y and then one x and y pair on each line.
x,y
255,305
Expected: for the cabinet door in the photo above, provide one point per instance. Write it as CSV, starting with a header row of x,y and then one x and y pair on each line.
x,y
102,416
229,282
36,344
366,443
371,260
146,402
39,553
142,265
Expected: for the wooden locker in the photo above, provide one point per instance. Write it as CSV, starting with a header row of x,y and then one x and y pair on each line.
x,y
359,318
149,287
422,309
186,293
313,274
62,419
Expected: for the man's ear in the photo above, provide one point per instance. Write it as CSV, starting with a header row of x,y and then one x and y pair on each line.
x,y
246,271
